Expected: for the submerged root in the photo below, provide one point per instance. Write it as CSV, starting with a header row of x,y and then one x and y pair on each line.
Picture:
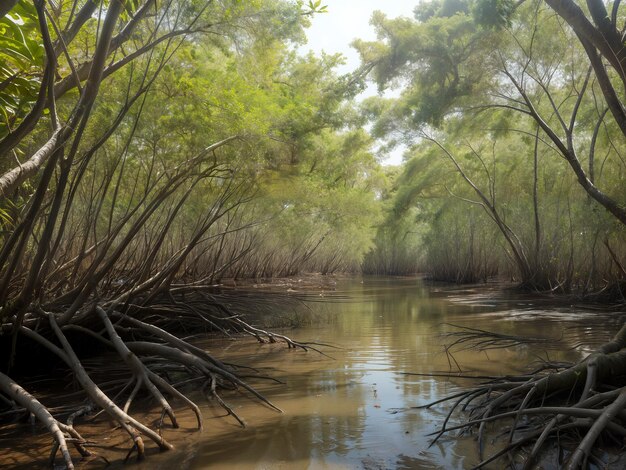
x,y
582,404
474,338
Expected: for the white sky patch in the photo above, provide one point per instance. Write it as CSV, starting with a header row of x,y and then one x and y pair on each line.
x,y
346,21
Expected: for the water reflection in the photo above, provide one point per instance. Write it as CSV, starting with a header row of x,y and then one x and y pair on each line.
x,y
337,412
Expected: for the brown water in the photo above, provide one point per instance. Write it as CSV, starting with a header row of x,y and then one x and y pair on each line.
x,y
342,412
353,411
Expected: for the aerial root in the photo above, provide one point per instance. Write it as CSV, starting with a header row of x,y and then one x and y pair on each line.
x,y
172,391
16,393
149,353
599,425
263,336
578,403
140,372
211,384
126,421
195,363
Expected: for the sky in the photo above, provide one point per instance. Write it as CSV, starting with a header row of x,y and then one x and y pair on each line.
x,y
345,21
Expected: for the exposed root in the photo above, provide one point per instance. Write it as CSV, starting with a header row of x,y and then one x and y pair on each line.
x,y
581,403
127,422
155,363
172,391
481,340
140,372
61,433
602,422
195,363
261,336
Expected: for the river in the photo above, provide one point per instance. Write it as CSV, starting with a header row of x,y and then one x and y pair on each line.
x,y
354,410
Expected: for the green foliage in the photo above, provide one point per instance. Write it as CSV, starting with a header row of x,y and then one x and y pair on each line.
x,y
306,178
494,13
439,59
470,185
21,64
315,6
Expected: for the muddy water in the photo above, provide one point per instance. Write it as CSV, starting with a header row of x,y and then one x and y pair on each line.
x,y
351,411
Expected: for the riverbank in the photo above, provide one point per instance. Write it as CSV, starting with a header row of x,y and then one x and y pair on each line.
x,y
305,283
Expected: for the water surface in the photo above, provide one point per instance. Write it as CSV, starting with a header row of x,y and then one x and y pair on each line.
x,y
344,412
354,410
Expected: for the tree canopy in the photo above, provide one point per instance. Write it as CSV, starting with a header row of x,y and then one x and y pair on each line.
x,y
152,150
514,106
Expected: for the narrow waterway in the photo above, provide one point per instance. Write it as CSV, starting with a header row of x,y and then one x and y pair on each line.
x,y
351,411
354,410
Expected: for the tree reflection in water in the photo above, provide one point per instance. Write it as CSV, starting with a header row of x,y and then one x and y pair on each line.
x,y
338,413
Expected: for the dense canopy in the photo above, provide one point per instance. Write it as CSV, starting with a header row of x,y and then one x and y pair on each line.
x,y
149,151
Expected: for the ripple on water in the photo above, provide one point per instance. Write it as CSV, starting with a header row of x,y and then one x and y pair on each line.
x,y
355,410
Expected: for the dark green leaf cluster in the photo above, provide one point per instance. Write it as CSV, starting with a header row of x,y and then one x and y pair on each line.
x,y
494,13
21,64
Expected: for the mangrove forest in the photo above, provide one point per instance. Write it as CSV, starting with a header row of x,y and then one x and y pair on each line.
x,y
220,248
